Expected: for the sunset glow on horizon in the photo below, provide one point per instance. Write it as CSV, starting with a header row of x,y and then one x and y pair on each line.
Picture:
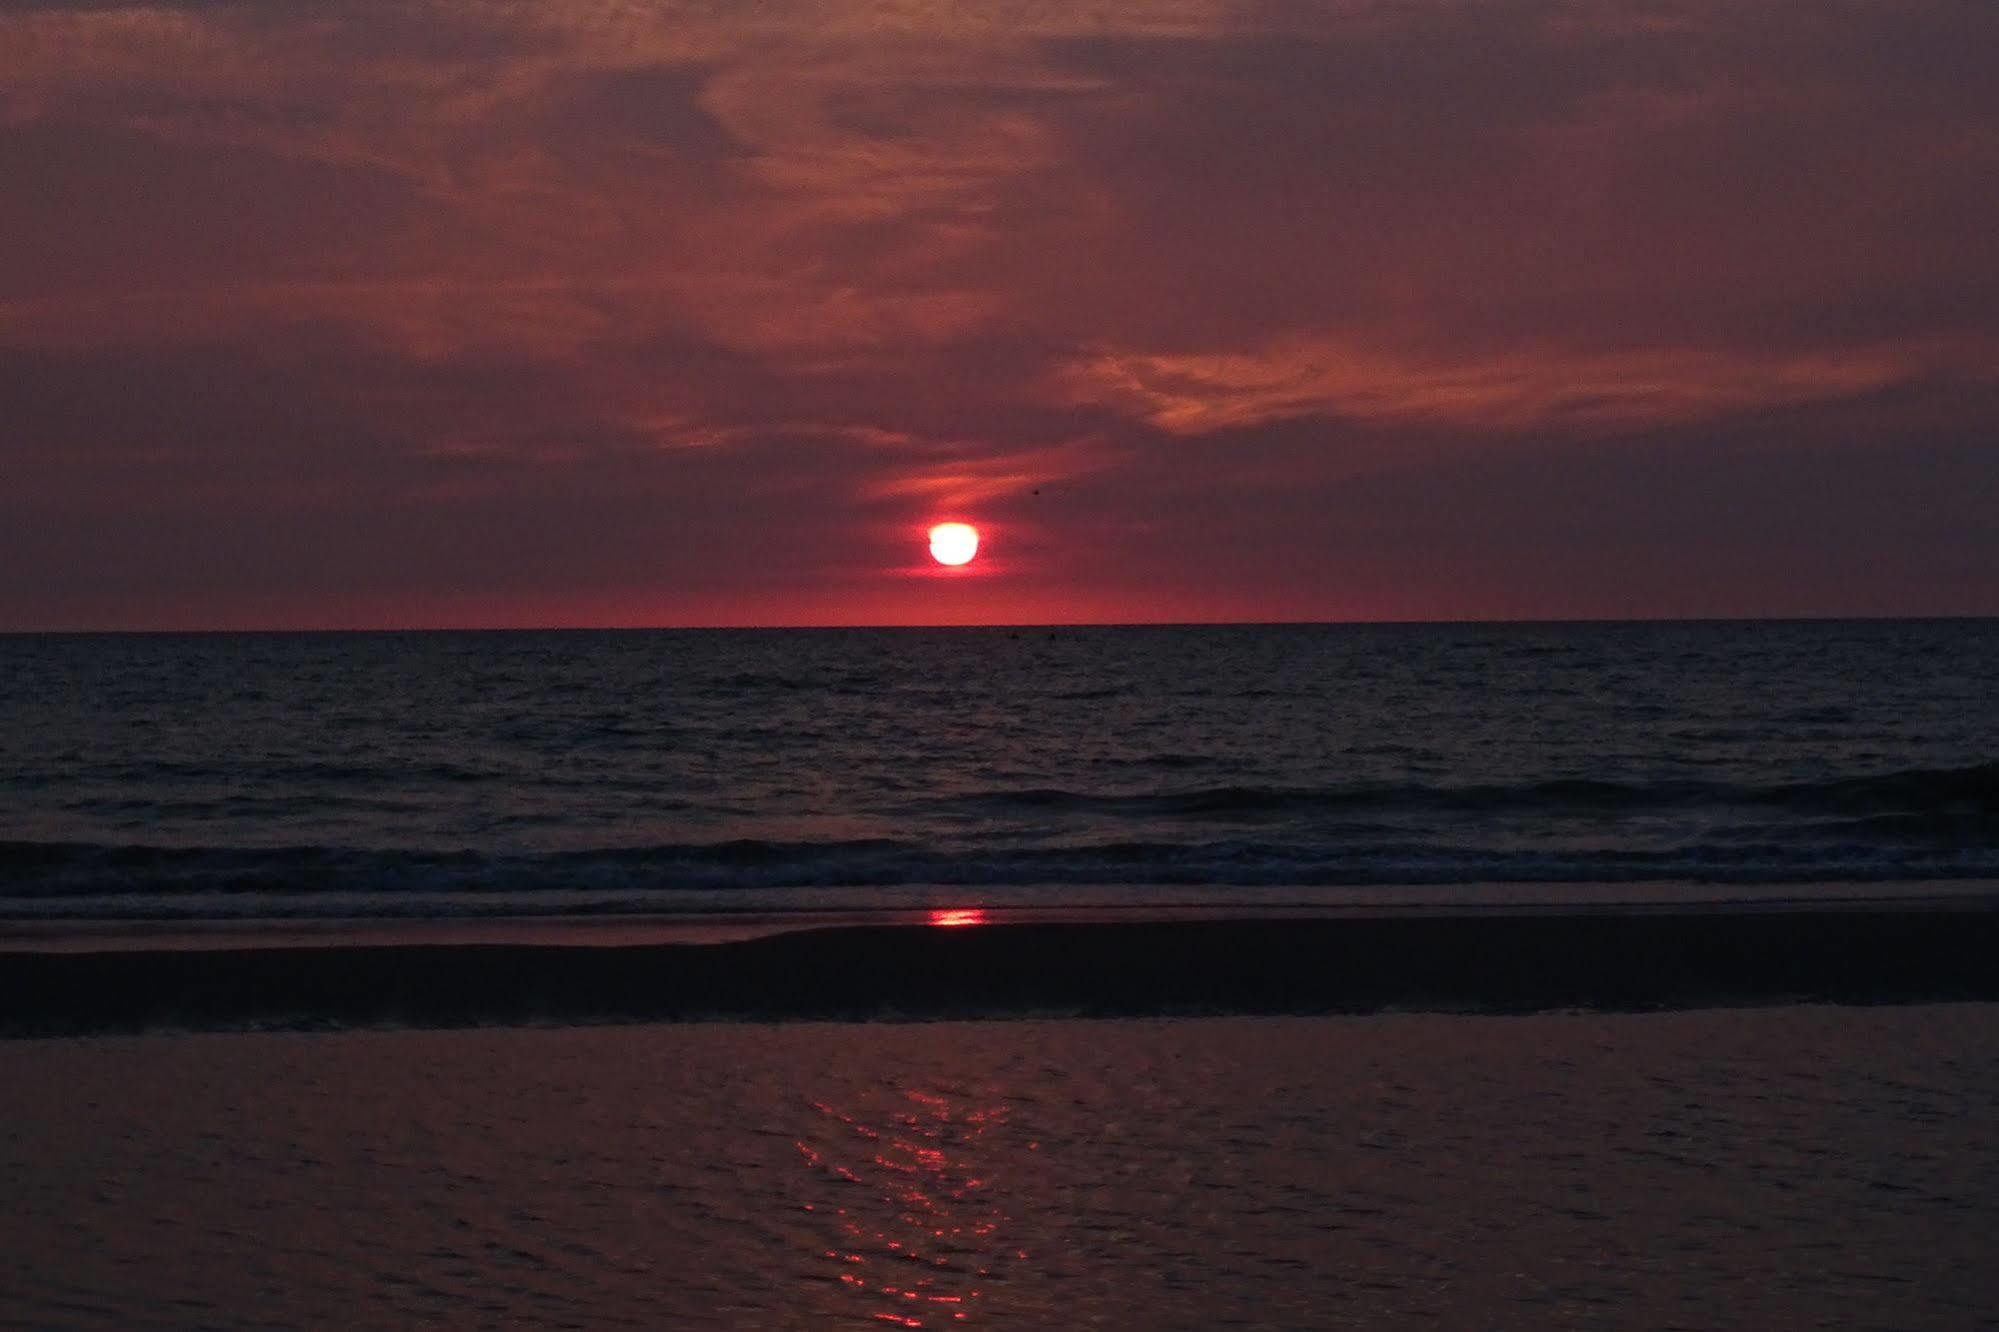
x,y
482,314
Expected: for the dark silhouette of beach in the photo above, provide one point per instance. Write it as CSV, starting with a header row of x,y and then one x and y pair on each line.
x,y
1490,961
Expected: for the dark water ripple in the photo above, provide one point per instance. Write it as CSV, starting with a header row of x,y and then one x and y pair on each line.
x,y
603,770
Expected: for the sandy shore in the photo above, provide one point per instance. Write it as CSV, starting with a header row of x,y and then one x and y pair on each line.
x,y
1755,1169
1274,962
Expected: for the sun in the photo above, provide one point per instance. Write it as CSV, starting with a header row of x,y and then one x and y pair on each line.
x,y
954,543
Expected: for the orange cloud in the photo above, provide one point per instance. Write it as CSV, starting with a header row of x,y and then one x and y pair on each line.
x,y
1536,388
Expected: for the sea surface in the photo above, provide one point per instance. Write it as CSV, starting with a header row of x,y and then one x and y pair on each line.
x,y
570,774
1778,1168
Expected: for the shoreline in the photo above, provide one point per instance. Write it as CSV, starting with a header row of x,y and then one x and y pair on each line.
x,y
1626,957
749,914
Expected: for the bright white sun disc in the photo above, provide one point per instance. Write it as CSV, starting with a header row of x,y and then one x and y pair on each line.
x,y
954,543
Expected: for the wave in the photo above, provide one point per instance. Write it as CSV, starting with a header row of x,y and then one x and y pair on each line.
x,y
1975,787
1970,790
1913,824
55,879
323,772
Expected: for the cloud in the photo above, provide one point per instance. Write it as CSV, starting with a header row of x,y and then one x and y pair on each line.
x,y
1549,389
395,305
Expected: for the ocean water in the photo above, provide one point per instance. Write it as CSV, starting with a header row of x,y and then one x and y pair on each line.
x,y
412,775
1778,1168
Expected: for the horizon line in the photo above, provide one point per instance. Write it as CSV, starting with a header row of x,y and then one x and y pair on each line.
x,y
1467,621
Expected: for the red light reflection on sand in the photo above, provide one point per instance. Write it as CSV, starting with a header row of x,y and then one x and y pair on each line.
x,y
953,917
918,1240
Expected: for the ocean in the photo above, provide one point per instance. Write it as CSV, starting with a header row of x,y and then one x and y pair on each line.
x,y
1241,1046
567,774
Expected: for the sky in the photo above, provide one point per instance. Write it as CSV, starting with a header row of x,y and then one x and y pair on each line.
x,y
343,313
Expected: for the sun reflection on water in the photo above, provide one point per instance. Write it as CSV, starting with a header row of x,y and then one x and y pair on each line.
x,y
949,917
910,1224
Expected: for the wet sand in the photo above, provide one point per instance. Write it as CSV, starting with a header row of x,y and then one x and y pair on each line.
x,y
1273,962
1783,1167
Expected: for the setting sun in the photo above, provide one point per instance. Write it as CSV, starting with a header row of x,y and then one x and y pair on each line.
x,y
954,543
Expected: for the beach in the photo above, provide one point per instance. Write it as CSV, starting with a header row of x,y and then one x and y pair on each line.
x,y
1755,1115
1615,976
1781,1167
980,962
1161,666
